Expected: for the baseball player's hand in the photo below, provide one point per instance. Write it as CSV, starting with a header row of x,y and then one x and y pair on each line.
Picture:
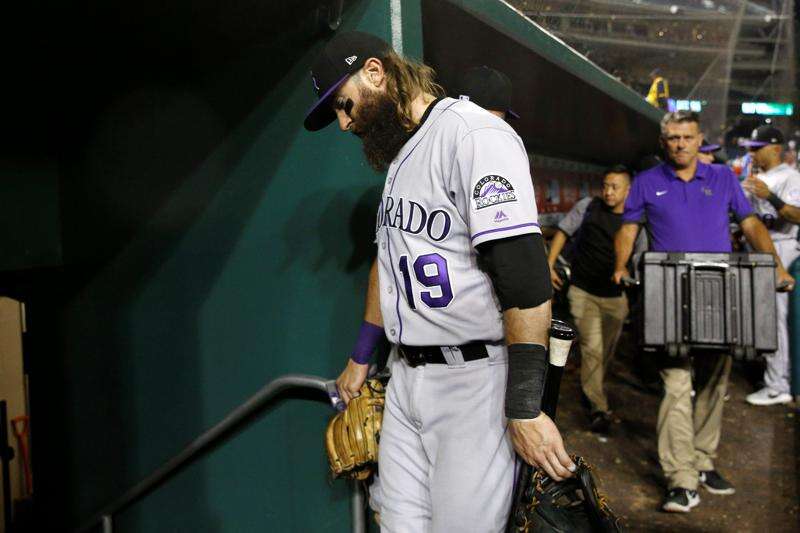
x,y
755,186
785,281
539,444
350,381
618,276
558,283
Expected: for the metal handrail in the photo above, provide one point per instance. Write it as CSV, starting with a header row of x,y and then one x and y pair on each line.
x,y
236,419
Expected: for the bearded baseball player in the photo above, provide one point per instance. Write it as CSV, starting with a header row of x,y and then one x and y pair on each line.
x,y
460,287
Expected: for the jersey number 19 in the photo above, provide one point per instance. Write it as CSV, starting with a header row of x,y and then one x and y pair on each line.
x,y
441,279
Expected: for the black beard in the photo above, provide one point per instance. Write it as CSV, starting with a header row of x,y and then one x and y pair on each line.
x,y
380,130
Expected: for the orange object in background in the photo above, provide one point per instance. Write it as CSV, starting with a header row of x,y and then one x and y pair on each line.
x,y
19,425
13,389
557,191
559,184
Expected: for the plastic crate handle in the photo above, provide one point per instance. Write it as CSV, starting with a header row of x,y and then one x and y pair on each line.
x,y
731,325
705,264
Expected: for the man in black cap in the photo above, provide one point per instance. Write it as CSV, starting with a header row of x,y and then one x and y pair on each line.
x,y
709,153
773,191
490,89
466,387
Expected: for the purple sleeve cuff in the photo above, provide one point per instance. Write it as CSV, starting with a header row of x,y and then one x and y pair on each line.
x,y
368,338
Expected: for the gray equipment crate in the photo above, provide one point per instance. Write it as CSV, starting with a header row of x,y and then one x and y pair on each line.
x,y
708,301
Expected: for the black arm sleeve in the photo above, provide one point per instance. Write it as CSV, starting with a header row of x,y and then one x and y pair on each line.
x,y
518,269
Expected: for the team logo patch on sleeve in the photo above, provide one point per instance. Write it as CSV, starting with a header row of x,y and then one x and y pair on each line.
x,y
493,190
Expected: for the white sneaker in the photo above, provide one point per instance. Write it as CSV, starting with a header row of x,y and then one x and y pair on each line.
x,y
767,396
680,500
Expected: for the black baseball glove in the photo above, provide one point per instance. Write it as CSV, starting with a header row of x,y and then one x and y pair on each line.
x,y
570,506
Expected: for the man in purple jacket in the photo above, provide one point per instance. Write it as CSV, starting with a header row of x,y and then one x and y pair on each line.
x,y
685,205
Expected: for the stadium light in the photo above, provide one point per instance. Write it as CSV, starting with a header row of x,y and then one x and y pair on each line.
x,y
684,105
768,108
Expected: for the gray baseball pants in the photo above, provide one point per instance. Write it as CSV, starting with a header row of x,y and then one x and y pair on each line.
x,y
776,375
446,462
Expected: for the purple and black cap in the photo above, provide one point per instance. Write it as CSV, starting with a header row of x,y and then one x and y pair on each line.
x,y
487,87
708,148
762,136
342,57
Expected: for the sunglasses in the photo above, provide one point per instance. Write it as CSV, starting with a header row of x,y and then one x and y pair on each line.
x,y
343,104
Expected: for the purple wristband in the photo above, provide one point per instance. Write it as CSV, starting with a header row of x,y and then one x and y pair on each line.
x,y
368,338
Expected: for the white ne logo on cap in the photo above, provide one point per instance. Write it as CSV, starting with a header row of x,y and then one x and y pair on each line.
x,y
350,60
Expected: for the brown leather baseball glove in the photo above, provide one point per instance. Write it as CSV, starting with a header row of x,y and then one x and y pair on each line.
x,y
352,435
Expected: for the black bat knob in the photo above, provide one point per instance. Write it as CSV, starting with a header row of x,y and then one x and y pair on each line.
x,y
562,330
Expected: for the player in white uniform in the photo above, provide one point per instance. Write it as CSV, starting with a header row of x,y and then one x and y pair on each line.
x,y
782,184
471,340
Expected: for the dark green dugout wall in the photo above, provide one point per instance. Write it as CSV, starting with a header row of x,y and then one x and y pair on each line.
x,y
202,245
210,244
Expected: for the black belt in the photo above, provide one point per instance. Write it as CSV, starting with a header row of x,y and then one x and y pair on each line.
x,y
432,355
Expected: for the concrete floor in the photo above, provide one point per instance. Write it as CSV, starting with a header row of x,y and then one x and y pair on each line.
x,y
759,453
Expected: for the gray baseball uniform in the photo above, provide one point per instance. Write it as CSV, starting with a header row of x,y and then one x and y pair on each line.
x,y
446,462
784,181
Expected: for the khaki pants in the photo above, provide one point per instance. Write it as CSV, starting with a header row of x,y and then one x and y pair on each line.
x,y
688,434
599,321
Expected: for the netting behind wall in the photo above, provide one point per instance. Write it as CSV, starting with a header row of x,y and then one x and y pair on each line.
x,y
717,52
713,86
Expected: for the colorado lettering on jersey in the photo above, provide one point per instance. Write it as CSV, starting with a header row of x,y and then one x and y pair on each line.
x,y
412,217
493,190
